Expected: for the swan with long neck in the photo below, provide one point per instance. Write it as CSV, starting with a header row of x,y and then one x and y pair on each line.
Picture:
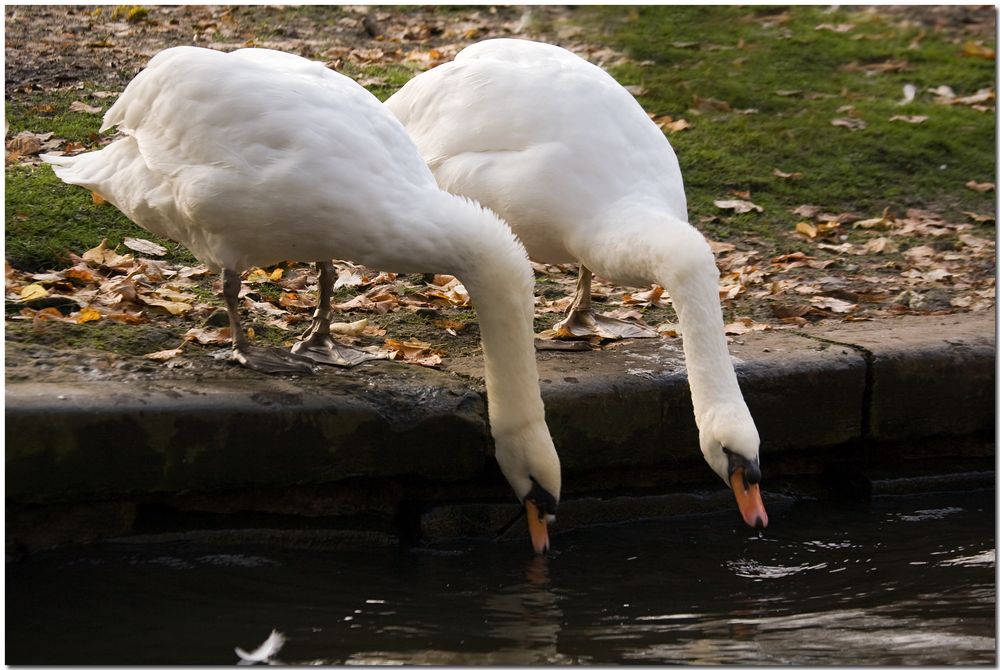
x,y
570,160
258,156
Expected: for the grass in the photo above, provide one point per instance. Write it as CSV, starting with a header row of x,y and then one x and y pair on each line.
x,y
799,79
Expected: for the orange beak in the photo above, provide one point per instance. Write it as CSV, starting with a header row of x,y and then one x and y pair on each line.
x,y
748,500
537,527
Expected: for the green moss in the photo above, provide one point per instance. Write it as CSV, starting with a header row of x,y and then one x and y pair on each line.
x,y
47,219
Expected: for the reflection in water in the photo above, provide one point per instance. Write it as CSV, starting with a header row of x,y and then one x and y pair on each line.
x,y
903,581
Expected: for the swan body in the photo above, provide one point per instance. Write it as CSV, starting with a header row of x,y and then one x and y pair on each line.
x,y
571,161
258,156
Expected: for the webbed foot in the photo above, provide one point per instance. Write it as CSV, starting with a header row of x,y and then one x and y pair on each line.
x,y
586,324
271,360
322,348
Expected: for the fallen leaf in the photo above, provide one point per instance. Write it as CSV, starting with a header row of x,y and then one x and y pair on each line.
x,y
710,105
981,218
880,245
144,246
97,198
787,175
851,124
808,211
978,50
413,351
174,307
981,187
743,325
102,256
352,329
164,355
88,314
636,89
738,206
78,106
884,221
835,27
835,305
209,335
33,292
916,118
807,229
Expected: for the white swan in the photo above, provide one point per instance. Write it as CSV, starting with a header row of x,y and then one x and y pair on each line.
x,y
257,156
565,155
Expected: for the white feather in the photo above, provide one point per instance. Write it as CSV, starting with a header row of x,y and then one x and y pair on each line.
x,y
265,652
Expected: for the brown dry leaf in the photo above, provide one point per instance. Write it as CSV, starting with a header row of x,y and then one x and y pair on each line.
x,y
413,351
209,335
102,256
743,325
83,107
835,305
174,307
558,306
880,245
978,50
450,326
164,355
981,218
738,206
981,187
721,247
646,298
81,274
88,314
808,211
787,175
884,221
851,124
916,118
669,124
701,105
144,246
292,300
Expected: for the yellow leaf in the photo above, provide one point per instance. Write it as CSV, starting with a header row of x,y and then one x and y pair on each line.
x,y
806,228
33,292
88,314
977,50
276,274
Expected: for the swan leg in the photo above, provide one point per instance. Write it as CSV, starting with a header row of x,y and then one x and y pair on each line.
x,y
583,322
262,359
317,343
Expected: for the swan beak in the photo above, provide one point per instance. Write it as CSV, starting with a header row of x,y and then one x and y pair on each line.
x,y
538,526
748,499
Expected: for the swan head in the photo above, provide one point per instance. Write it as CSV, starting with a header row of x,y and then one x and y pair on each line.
x,y
529,461
731,446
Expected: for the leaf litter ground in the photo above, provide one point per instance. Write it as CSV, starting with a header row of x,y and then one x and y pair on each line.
x,y
148,301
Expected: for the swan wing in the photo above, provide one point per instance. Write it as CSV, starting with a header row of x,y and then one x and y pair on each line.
x,y
248,157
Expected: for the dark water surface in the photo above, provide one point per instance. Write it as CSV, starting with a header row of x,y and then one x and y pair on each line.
x,y
904,580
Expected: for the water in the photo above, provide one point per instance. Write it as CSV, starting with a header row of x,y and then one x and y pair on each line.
x,y
904,580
